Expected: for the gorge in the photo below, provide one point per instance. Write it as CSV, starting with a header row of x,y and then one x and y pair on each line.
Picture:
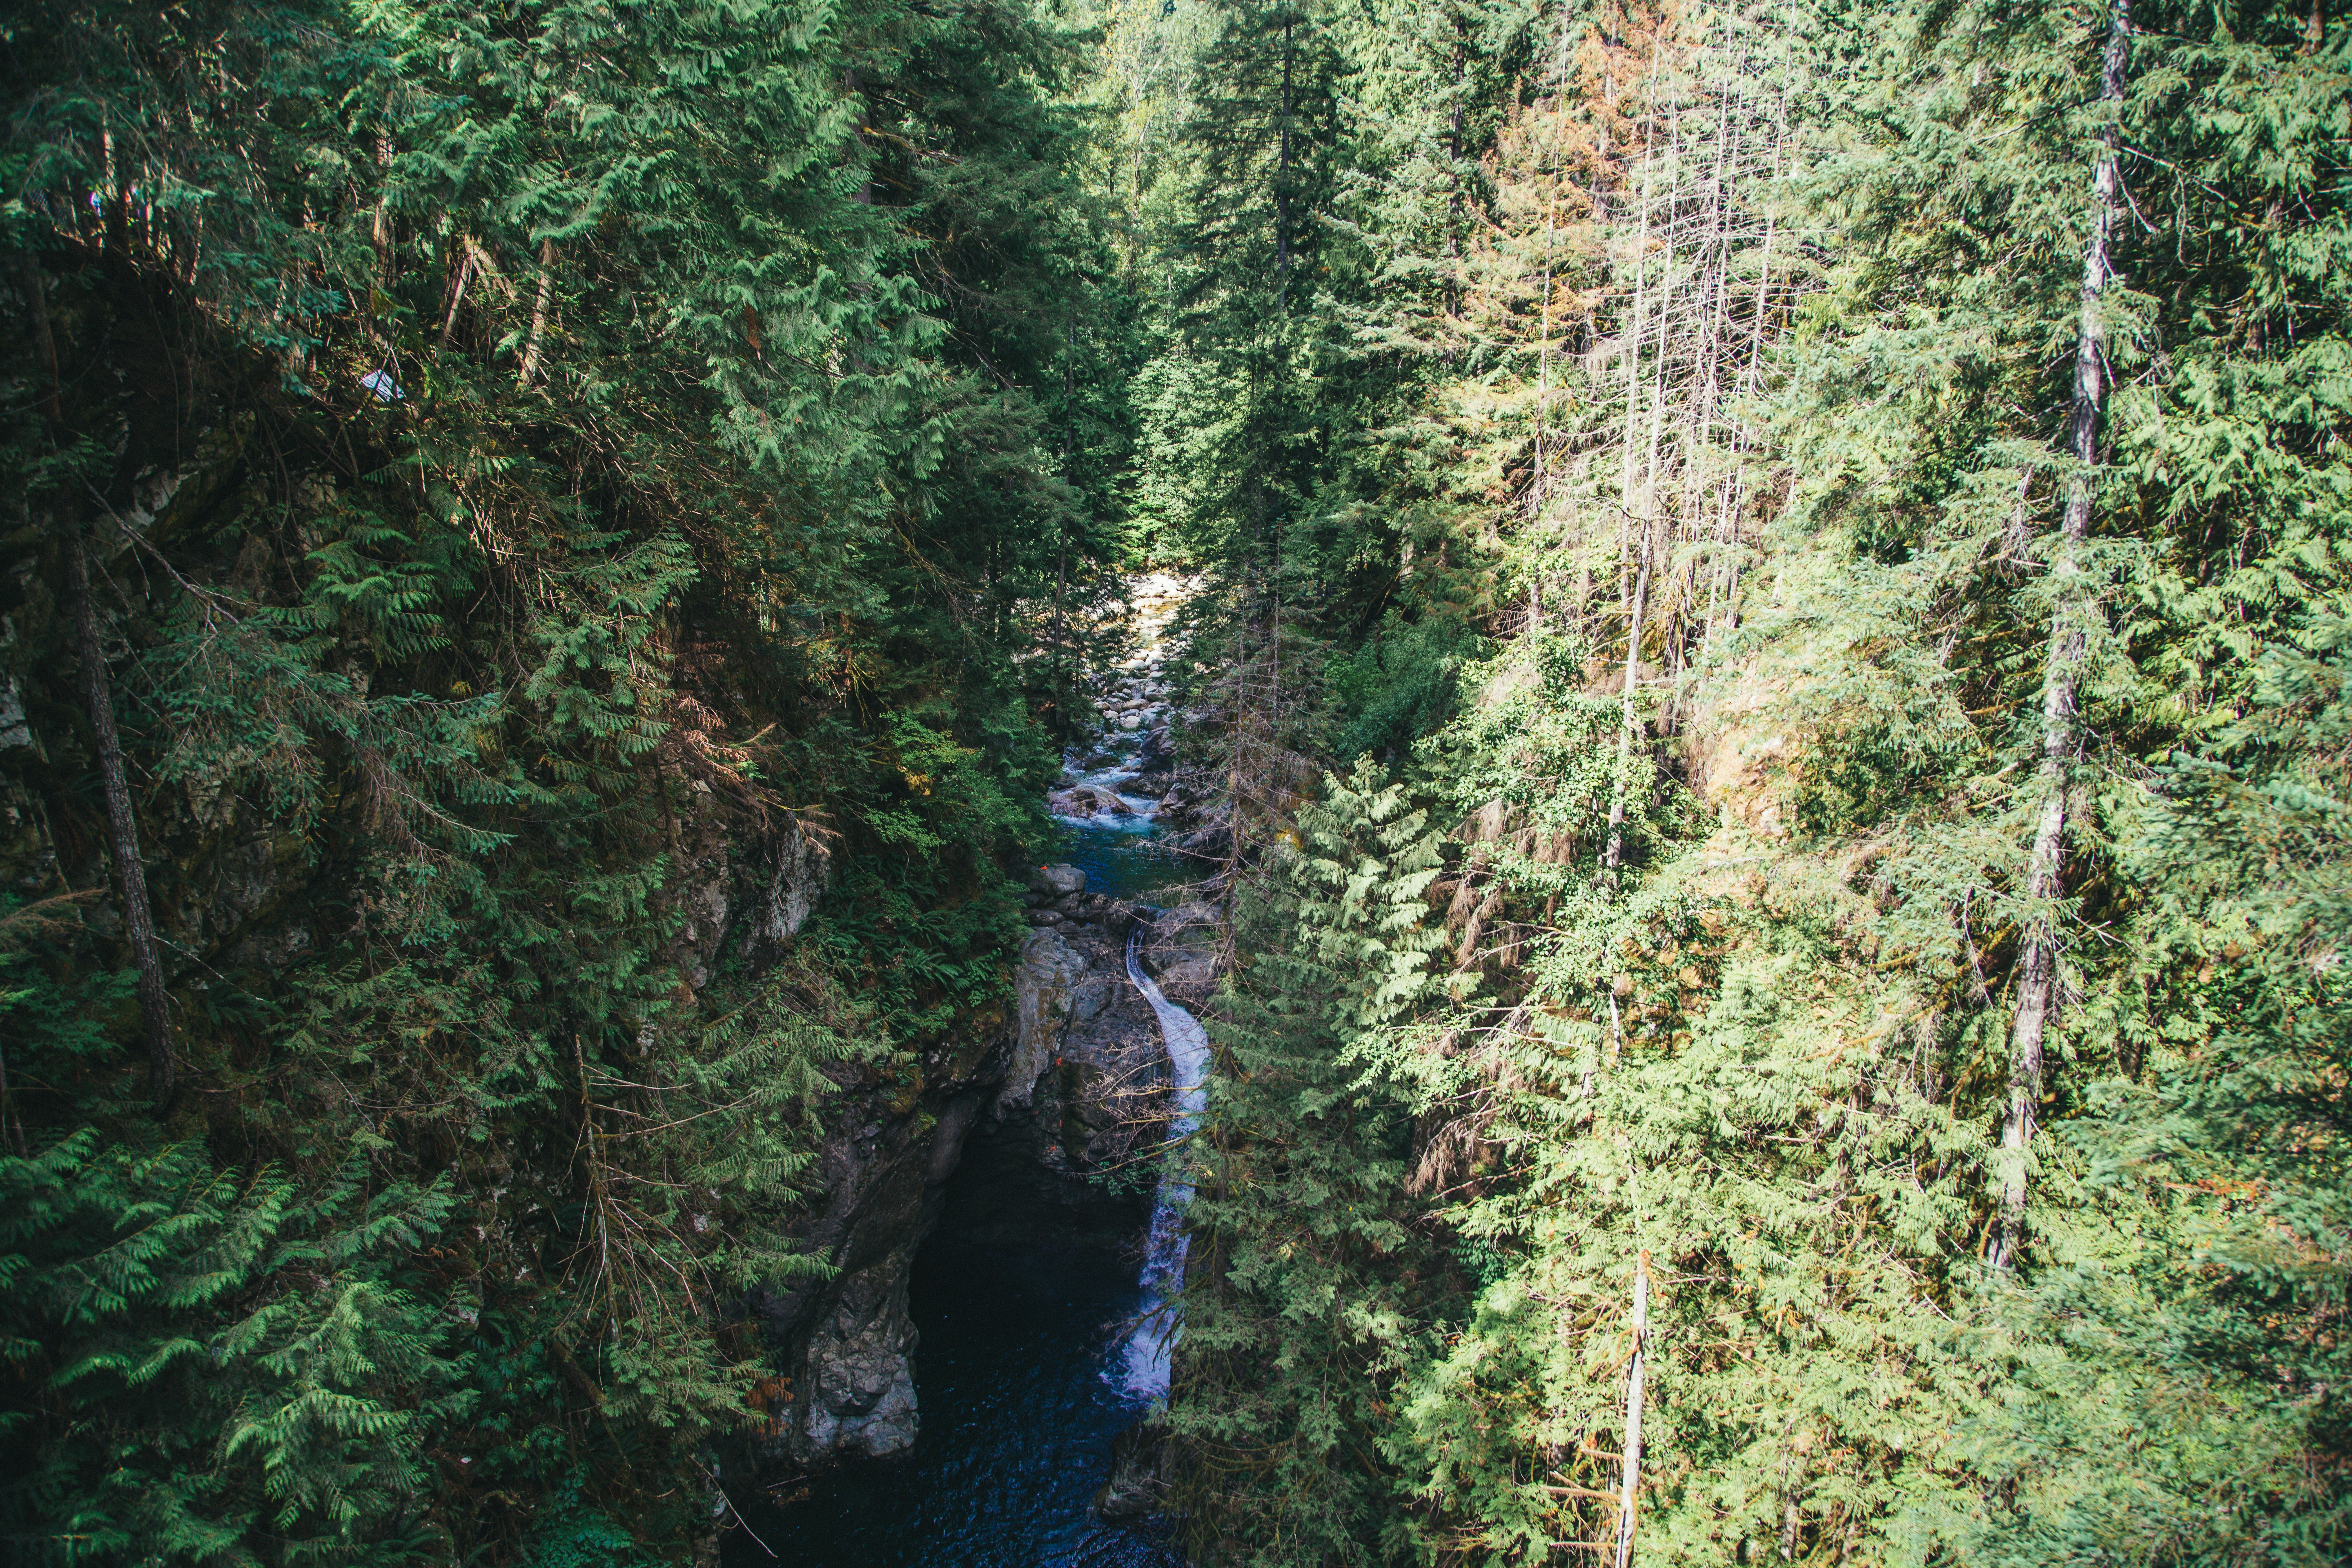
x,y
988,1339
1306,783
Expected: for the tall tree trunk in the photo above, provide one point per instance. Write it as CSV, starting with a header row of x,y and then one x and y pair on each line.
x,y
45,344
130,872
2037,968
1614,855
1630,1485
380,226
97,696
1633,354
539,310
1282,186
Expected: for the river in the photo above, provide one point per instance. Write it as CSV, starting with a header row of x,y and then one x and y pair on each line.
x,y
1031,1357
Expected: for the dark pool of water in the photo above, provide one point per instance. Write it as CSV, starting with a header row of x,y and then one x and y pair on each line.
x,y
1017,1423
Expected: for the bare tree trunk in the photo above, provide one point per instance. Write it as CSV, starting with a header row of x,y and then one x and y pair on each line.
x,y
456,296
1543,388
98,695
1543,346
2037,972
1633,348
130,872
44,343
380,226
1631,1484
1282,189
539,310
1614,855
1736,487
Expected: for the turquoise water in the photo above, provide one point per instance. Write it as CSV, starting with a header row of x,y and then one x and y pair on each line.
x,y
1125,862
1122,854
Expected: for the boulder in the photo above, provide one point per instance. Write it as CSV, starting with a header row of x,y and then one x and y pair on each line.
x,y
1057,881
1137,1488
1042,985
1212,841
1180,949
862,1362
1085,801
1092,995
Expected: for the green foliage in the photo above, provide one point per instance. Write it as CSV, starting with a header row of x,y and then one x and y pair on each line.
x,y
1303,1267
1397,686
567,486
1772,1048
217,1360
562,480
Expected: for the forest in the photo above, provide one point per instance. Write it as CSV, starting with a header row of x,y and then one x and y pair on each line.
x,y
1769,654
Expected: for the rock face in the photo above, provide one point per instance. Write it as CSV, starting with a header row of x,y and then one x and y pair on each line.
x,y
1081,1090
1046,987
846,1343
1181,952
1137,1485
1057,881
1064,1089
861,1360
1087,801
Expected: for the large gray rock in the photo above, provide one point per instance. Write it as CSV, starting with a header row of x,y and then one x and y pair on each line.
x,y
1057,881
1079,800
861,1363
1180,951
1043,986
803,867
1137,1486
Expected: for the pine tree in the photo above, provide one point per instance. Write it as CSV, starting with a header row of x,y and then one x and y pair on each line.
x,y
1301,1263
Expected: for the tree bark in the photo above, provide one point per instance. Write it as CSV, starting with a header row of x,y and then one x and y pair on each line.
x,y
1631,1483
1282,186
45,343
97,696
539,310
129,871
1614,855
2037,969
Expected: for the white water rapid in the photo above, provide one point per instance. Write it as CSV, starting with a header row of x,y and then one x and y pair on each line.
x,y
1146,1355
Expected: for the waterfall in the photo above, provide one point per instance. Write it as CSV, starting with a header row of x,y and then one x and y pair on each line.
x,y
1144,1372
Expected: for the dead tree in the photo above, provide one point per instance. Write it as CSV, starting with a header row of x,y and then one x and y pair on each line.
x,y
2074,607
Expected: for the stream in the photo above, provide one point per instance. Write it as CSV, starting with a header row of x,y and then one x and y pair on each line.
x,y
1146,1358
1033,1357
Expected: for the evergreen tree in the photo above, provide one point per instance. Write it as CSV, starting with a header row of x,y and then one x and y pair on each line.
x,y
467,470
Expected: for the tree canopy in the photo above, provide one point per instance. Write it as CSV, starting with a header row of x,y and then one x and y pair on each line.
x,y
1772,613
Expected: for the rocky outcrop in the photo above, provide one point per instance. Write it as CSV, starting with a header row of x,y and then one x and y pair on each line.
x,y
1137,1486
1066,1091
1046,990
1084,800
861,1367
1043,1118
1181,951
1083,1085
846,1342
